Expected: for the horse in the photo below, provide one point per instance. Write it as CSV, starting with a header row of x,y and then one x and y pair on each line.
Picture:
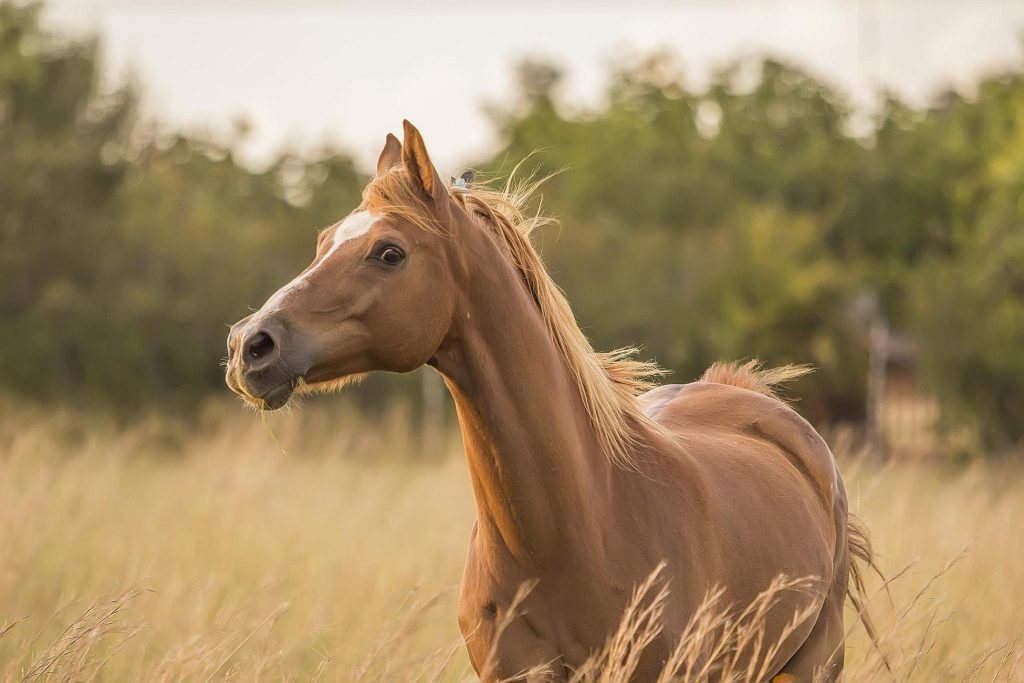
x,y
586,475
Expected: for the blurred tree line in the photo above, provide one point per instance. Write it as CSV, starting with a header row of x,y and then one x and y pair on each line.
x,y
748,218
127,250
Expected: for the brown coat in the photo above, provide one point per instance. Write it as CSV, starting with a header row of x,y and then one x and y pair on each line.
x,y
585,478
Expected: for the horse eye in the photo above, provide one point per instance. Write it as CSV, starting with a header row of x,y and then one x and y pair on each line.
x,y
391,256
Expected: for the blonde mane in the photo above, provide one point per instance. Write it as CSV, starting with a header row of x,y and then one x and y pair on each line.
x,y
609,382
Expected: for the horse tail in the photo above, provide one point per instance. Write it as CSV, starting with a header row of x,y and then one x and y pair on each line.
x,y
862,558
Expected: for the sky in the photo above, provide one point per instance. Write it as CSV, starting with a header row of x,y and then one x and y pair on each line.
x,y
309,72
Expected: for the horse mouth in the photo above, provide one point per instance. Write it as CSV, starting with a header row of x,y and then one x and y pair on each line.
x,y
278,396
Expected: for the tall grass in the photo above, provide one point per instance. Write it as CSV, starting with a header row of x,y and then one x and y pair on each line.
x,y
160,551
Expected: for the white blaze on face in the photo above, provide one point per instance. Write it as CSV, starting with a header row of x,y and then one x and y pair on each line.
x,y
356,225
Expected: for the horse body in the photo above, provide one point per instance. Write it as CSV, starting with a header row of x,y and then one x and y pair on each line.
x,y
583,483
737,490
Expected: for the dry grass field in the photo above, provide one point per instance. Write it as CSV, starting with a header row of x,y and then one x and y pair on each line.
x,y
164,552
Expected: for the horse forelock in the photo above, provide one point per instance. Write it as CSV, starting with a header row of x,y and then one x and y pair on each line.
x,y
608,382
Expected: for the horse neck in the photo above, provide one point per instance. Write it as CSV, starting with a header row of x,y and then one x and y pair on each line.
x,y
538,474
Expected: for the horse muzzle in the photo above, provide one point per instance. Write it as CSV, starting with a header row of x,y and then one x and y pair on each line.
x,y
257,370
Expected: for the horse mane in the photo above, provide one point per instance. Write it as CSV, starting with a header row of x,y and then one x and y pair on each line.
x,y
754,376
608,382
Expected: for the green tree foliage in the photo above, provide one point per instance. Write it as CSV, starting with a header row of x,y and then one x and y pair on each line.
x,y
736,220
707,215
967,296
127,252
56,193
746,219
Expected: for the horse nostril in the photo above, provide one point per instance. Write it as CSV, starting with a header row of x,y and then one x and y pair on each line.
x,y
258,347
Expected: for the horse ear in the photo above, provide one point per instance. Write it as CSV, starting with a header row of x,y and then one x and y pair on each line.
x,y
418,166
391,155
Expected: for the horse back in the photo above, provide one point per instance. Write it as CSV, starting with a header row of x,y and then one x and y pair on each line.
x,y
707,417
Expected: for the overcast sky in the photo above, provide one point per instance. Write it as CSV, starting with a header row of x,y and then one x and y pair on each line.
x,y
307,71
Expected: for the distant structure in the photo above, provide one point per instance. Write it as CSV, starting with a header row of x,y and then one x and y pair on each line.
x,y
902,418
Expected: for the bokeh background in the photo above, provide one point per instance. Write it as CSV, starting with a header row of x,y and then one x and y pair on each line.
x,y
833,182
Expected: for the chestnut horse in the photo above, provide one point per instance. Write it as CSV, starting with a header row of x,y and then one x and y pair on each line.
x,y
585,477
